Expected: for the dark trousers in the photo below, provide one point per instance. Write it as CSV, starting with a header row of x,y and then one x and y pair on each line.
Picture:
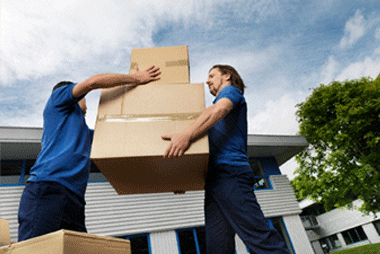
x,y
231,208
46,207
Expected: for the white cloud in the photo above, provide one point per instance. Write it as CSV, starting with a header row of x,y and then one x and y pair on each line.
x,y
42,38
355,28
369,67
329,70
278,117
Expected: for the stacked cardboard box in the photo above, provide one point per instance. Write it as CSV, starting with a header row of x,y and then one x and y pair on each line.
x,y
127,146
68,242
4,233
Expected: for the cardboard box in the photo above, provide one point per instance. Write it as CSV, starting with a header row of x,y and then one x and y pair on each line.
x,y
173,62
5,238
128,148
68,242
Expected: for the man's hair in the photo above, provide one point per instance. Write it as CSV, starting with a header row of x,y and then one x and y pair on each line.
x,y
235,77
62,83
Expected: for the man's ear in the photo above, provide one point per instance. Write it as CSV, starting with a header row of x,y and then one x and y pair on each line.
x,y
227,76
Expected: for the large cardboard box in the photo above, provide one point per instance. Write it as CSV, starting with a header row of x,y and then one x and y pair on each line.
x,y
4,233
127,146
69,242
173,63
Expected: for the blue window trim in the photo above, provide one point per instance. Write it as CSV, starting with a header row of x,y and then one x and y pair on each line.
x,y
357,234
195,238
22,176
268,180
266,175
23,172
269,220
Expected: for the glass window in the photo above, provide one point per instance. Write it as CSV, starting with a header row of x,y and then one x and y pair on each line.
x,y
96,175
354,235
377,226
192,240
139,243
278,224
261,180
11,167
330,243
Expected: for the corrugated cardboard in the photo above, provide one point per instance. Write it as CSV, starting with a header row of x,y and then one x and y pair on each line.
x,y
69,242
5,238
173,63
127,145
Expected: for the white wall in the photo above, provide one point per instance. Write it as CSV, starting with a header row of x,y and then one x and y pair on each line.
x,y
297,234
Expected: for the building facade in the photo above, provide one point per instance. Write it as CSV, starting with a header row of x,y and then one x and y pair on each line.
x,y
161,222
339,228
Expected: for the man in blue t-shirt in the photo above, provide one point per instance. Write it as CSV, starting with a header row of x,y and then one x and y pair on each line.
x,y
53,198
230,203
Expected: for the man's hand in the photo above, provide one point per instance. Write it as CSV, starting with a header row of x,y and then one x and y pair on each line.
x,y
148,75
179,143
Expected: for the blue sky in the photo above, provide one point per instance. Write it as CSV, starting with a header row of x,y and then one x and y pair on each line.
x,y
282,49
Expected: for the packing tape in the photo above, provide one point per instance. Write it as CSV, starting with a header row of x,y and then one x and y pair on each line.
x,y
182,62
149,118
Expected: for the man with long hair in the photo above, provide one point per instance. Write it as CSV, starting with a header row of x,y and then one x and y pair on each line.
x,y
230,203
53,198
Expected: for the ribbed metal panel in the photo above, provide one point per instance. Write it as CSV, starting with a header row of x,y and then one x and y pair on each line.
x,y
297,234
110,214
280,201
9,203
164,242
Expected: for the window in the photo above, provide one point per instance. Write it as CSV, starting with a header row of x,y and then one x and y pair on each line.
x,y
192,240
330,243
377,226
354,235
96,175
15,172
261,180
140,244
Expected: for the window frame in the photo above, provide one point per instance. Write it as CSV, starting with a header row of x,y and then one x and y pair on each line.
x,y
264,175
147,235
351,231
24,174
195,236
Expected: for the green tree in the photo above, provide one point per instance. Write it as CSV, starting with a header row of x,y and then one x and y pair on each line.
x,y
341,122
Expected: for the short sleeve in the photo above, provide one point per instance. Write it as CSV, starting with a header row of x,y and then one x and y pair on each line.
x,y
232,93
63,96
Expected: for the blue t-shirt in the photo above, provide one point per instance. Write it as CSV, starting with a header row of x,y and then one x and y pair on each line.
x,y
228,138
66,143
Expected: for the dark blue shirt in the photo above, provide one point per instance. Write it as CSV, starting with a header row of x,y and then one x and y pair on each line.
x,y
228,138
66,143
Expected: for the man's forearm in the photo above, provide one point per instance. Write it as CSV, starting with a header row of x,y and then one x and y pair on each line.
x,y
208,118
108,80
